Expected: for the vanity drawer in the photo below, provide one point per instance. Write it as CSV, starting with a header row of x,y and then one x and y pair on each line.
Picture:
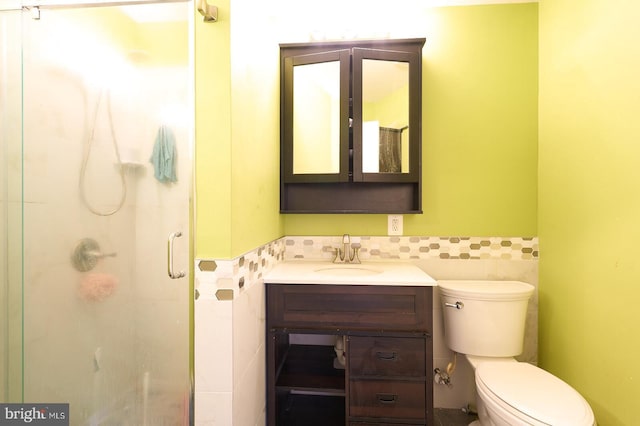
x,y
387,356
352,307
387,399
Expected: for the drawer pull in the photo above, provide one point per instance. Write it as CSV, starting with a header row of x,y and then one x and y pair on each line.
x,y
386,356
387,398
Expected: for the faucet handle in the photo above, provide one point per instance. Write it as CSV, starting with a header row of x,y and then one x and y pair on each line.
x,y
338,257
354,255
346,239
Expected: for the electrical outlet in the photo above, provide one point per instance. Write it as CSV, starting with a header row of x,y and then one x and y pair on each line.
x,y
394,224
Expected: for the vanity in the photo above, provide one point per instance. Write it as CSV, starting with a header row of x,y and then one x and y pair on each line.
x,y
349,344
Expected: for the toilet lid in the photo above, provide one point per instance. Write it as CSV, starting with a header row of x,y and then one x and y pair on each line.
x,y
535,392
486,290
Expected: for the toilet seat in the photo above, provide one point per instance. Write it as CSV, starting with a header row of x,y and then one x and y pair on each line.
x,y
531,394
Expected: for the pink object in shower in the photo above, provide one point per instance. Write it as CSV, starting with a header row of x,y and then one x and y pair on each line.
x,y
95,287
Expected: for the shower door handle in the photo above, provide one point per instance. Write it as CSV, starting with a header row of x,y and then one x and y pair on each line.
x,y
172,274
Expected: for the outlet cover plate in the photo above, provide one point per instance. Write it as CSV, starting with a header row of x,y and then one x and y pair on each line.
x,y
394,224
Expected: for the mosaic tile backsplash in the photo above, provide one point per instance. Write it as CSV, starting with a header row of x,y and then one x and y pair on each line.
x,y
235,273
415,247
212,275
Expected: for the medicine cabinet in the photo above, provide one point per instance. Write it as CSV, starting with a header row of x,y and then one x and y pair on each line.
x,y
351,126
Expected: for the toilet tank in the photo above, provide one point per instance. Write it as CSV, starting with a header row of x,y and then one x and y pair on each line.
x,y
484,318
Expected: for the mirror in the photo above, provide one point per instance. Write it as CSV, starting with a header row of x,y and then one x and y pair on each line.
x,y
316,118
385,116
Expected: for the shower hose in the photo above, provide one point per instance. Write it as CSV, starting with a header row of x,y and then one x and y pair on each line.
x,y
87,153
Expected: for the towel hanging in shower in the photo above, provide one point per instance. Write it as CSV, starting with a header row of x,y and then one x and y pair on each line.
x,y
164,155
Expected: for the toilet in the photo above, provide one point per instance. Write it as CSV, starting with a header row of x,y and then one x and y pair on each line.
x,y
485,321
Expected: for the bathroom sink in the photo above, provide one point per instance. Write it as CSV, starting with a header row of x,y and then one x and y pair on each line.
x,y
370,273
350,271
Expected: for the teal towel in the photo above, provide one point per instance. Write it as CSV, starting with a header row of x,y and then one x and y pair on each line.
x,y
164,155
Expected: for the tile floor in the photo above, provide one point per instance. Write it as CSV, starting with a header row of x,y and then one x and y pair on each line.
x,y
452,417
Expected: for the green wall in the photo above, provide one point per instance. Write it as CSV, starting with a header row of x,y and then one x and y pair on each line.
x,y
237,132
589,184
479,127
213,135
479,138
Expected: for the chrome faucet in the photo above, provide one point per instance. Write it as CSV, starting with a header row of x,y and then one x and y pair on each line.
x,y
347,254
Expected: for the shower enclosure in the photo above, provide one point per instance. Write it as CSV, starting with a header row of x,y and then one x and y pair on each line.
x,y
96,143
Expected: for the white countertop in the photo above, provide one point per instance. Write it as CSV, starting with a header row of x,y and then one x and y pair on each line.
x,y
399,273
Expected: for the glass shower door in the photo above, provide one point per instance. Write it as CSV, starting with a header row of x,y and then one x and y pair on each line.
x,y
107,184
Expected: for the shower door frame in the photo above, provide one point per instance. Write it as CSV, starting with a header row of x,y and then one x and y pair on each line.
x,y
11,367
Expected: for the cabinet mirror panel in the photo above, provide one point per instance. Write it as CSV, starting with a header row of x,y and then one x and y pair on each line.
x,y
385,116
316,118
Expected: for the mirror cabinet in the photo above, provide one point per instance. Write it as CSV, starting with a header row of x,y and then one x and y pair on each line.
x,y
351,126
